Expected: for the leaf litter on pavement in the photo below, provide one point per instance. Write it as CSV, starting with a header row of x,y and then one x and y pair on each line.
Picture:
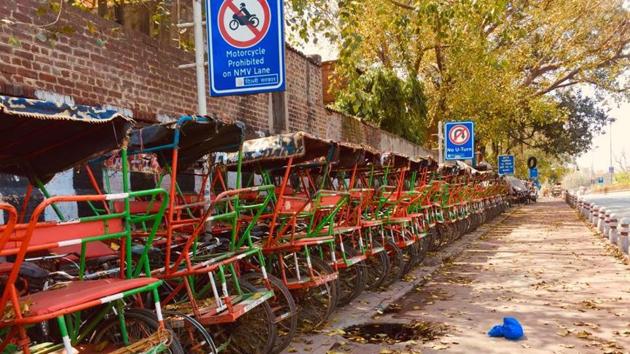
x,y
392,333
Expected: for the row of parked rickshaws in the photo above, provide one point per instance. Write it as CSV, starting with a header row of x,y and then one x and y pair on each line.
x,y
190,239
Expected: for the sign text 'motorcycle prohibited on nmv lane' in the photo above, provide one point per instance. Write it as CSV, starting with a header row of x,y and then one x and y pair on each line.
x,y
245,46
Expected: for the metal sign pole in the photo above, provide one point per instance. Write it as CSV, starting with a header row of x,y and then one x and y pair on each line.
x,y
611,168
200,49
440,142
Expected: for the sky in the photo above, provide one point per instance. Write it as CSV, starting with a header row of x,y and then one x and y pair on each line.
x,y
599,156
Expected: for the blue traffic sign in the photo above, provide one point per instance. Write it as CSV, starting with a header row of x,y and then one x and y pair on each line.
x,y
460,141
506,165
245,46
533,173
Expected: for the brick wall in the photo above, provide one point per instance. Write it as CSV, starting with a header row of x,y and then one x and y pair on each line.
x,y
98,62
104,63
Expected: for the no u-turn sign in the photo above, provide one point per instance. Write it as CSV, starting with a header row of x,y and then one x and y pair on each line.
x,y
460,141
245,46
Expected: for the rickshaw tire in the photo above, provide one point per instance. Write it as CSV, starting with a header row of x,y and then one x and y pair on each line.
x,y
289,323
357,286
412,256
144,315
396,263
381,261
322,267
271,327
423,244
202,331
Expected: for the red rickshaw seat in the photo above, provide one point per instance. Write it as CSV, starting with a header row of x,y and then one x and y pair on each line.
x,y
79,292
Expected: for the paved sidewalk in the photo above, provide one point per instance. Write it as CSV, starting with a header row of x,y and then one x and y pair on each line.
x,y
541,265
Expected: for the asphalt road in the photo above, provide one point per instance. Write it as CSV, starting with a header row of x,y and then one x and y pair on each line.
x,y
618,202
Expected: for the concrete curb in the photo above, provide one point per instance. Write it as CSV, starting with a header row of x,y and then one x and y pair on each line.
x,y
613,236
370,303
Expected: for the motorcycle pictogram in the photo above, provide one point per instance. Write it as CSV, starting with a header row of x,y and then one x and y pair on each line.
x,y
242,18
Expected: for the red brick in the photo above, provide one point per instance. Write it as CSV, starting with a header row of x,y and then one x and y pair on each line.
x,y
136,72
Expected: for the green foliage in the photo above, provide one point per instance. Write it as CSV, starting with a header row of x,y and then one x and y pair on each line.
x,y
622,178
511,66
574,135
382,97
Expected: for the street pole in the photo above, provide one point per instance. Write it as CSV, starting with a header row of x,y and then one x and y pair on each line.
x,y
200,49
611,170
440,143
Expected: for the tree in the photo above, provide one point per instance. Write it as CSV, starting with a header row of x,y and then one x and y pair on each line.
x,y
576,179
396,105
622,161
514,67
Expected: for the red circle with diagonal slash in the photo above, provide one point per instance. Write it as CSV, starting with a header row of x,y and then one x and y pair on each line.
x,y
459,134
259,34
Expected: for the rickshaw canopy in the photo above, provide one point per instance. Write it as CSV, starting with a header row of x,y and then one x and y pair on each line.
x,y
276,150
193,136
347,155
41,138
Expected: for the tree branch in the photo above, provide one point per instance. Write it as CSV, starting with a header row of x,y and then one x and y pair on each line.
x,y
536,72
400,4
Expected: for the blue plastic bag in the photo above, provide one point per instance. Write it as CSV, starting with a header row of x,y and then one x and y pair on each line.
x,y
510,329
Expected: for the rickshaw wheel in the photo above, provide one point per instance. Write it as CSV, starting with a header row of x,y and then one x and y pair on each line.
x,y
454,231
396,263
253,333
460,229
434,239
376,270
283,307
140,324
352,279
410,255
423,248
317,303
193,337
467,226
445,232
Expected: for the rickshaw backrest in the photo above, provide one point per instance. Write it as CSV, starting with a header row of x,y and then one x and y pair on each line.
x,y
138,206
329,200
152,206
364,194
295,204
7,229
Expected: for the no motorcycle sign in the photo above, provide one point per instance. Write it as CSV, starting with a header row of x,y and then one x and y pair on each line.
x,y
246,46
245,25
